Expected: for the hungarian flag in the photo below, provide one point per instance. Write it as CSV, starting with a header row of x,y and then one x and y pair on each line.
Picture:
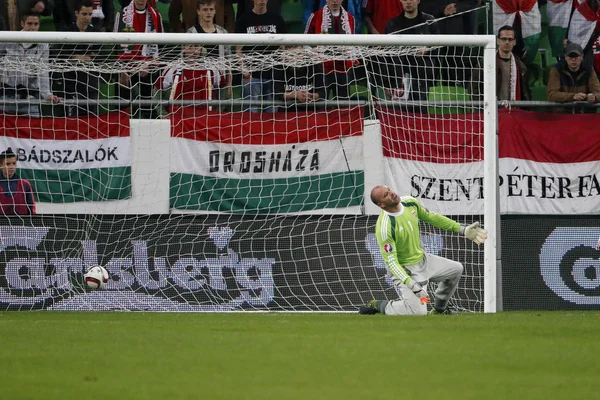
x,y
436,159
267,163
583,24
559,14
548,163
527,11
71,159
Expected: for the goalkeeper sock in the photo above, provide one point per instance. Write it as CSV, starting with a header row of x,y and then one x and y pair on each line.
x,y
380,305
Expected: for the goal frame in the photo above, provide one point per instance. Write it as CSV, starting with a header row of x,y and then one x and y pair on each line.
x,y
489,107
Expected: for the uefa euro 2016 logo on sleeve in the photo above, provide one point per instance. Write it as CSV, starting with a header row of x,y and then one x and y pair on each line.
x,y
388,248
570,264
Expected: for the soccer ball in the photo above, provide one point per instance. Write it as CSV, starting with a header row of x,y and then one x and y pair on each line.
x,y
96,277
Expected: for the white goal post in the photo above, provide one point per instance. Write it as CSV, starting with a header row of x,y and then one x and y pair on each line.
x,y
487,105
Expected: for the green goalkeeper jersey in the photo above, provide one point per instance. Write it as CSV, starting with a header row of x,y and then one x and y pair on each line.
x,y
399,237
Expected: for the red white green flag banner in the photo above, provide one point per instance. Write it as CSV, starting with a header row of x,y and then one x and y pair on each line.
x,y
71,159
549,163
245,163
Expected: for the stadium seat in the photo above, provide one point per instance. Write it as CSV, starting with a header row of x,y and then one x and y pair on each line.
x,y
359,92
448,93
292,15
538,93
47,24
535,75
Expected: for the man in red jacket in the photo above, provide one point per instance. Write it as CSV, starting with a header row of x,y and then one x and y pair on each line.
x,y
16,195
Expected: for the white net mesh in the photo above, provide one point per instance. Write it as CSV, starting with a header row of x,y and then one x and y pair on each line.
x,y
207,179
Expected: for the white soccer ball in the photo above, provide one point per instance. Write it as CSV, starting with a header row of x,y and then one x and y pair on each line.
x,y
96,277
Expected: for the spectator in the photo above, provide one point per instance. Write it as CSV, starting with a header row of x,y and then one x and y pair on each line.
x,y
22,84
511,73
409,77
570,81
103,14
453,14
274,7
182,14
354,7
16,195
79,83
412,21
187,83
258,85
205,24
138,16
334,19
298,85
11,10
377,13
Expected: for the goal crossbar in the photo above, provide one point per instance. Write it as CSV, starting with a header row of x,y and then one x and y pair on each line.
x,y
487,41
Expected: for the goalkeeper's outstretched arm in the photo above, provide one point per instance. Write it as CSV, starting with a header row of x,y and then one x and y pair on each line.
x,y
435,219
472,232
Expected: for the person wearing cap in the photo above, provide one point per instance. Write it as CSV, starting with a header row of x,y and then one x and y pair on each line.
x,y
511,72
16,195
570,81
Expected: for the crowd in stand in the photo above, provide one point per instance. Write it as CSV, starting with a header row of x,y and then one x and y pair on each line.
x,y
408,77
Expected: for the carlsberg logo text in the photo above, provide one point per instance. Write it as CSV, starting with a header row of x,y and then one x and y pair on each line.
x,y
253,277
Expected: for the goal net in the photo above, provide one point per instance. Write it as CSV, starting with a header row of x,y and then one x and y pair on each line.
x,y
233,172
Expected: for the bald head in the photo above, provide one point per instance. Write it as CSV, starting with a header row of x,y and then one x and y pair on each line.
x,y
385,198
376,193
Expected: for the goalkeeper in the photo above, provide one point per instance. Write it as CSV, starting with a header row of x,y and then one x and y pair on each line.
x,y
399,240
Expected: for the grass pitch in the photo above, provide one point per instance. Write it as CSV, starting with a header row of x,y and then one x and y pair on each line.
x,y
526,355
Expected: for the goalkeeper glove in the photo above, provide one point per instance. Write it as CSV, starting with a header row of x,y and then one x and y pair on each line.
x,y
474,232
419,291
